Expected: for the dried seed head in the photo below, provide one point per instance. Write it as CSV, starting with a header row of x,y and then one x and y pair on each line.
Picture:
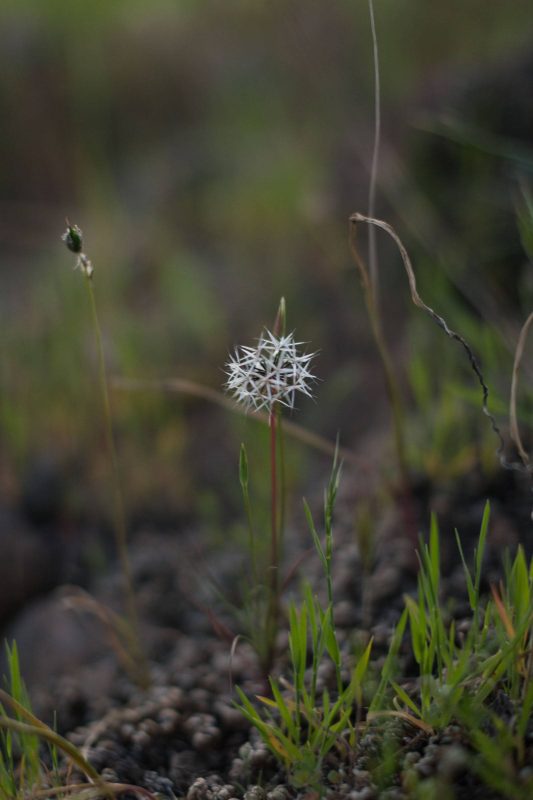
x,y
73,238
272,372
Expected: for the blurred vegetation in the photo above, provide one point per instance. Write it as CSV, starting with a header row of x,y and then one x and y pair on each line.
x,y
212,154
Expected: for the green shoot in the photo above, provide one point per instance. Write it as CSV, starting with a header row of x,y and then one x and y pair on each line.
x,y
298,726
23,774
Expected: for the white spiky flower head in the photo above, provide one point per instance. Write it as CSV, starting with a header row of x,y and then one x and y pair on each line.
x,y
272,372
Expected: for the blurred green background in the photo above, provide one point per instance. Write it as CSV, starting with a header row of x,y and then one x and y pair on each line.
x,y
212,153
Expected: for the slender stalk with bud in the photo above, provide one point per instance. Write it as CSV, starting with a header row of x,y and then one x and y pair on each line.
x,y
73,239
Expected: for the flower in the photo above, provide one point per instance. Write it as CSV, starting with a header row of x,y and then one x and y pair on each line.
x,y
272,372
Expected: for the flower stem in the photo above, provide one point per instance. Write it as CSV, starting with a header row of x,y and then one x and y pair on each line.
x,y
273,599
282,482
119,512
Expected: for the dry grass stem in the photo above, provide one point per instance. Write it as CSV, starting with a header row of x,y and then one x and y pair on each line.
x,y
357,218
513,418
372,246
184,386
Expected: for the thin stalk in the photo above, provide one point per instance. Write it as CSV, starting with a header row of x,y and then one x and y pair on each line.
x,y
372,245
391,382
274,554
279,329
88,791
277,510
330,499
392,389
282,481
514,429
251,536
119,512
184,386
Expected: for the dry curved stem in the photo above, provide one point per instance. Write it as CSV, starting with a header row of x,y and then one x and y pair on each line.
x,y
76,599
90,792
141,674
184,386
391,381
36,727
513,418
233,650
441,322
414,721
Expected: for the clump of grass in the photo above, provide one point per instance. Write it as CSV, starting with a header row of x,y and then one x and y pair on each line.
x,y
461,674
24,775
299,724
74,241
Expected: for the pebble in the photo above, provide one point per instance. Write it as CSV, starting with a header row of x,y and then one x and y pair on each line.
x,y
225,793
345,614
206,739
361,775
199,790
259,757
367,793
141,739
425,768
526,774
231,718
392,794
157,783
452,761
278,793
255,793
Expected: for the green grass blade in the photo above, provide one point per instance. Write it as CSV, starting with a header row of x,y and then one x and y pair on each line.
x,y
480,550
406,700
314,534
389,667
472,594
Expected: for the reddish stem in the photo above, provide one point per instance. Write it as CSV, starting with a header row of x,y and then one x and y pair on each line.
x,y
274,508
273,601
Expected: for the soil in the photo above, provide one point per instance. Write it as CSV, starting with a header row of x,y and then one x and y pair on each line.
x,y
183,736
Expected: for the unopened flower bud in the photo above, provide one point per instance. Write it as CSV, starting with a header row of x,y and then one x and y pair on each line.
x,y
73,238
